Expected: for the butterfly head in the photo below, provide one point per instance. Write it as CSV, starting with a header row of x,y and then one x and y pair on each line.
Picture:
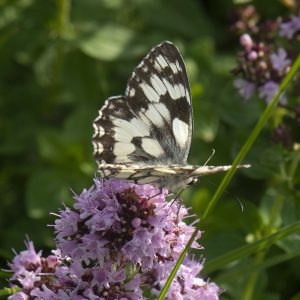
x,y
192,180
181,181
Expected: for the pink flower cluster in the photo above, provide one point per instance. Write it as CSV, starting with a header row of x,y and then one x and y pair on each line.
x,y
262,69
265,58
119,241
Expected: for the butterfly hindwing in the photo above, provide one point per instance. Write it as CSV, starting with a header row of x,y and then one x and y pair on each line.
x,y
152,123
168,176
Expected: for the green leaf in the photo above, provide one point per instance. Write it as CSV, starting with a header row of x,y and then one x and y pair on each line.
x,y
107,43
234,111
228,226
265,160
207,124
247,250
239,269
51,145
78,127
8,291
270,208
175,17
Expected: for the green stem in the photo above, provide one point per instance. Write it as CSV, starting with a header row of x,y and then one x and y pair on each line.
x,y
62,30
63,17
178,263
252,280
260,256
275,212
249,249
270,262
293,168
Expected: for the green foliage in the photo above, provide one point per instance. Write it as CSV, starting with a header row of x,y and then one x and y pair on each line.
x,y
61,59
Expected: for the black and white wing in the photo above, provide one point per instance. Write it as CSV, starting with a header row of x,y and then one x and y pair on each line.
x,y
152,123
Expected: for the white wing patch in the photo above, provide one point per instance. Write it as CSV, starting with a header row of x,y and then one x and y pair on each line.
x,y
181,131
123,149
134,127
152,147
179,91
123,135
98,148
163,111
162,62
175,67
176,91
169,88
158,85
150,92
132,92
188,98
98,130
154,115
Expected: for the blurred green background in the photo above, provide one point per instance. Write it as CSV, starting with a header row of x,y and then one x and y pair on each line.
x,y
60,60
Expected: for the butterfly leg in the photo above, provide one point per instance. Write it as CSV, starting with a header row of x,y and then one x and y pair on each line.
x,y
158,194
179,201
177,198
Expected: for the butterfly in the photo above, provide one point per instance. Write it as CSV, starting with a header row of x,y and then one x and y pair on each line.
x,y
145,136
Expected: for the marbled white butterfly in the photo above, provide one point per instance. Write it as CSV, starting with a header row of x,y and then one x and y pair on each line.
x,y
145,136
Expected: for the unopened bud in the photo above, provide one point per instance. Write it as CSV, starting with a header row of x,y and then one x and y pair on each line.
x,y
246,41
252,56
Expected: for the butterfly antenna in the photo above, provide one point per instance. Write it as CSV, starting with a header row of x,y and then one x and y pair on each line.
x,y
240,203
236,199
227,192
210,157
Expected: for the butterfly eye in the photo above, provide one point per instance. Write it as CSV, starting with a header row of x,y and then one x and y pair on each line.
x,y
192,181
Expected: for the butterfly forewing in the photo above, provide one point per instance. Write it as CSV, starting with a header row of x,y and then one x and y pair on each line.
x,y
159,87
152,123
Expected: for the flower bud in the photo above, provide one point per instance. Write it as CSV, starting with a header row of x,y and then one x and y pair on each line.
x,y
246,41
